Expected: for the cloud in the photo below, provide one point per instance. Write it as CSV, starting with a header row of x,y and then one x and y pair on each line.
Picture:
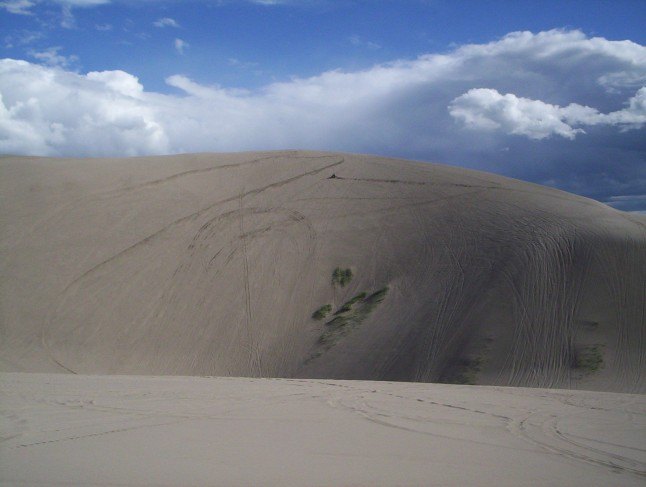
x,y
68,21
51,57
272,2
180,45
67,17
23,38
628,202
486,109
80,3
165,22
18,7
118,81
53,111
241,64
540,92
24,7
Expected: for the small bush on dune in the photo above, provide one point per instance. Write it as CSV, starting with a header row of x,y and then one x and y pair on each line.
x,y
590,359
469,368
342,277
377,296
348,305
322,312
349,316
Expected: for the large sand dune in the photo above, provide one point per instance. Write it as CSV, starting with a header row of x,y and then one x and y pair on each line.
x,y
214,264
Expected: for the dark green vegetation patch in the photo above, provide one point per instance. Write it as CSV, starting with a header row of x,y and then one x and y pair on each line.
x,y
342,277
347,306
322,312
466,371
589,359
349,315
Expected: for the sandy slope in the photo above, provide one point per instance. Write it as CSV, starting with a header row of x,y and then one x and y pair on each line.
x,y
82,430
213,265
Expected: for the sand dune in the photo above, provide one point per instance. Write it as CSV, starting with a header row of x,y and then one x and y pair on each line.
x,y
311,265
106,430
214,265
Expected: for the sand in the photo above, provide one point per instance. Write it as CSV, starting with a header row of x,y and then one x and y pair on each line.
x,y
287,273
163,431
212,265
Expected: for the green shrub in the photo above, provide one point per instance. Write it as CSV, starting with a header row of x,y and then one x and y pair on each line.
x,y
349,316
463,370
590,359
468,370
375,298
347,306
322,312
378,296
358,297
342,277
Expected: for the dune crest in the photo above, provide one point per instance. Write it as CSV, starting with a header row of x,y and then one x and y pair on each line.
x,y
216,264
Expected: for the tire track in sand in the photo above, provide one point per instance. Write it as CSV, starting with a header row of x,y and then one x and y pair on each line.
x,y
63,296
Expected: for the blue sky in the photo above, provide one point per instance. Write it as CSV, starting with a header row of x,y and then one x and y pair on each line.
x,y
550,92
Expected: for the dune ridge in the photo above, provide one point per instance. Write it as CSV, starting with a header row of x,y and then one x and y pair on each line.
x,y
213,264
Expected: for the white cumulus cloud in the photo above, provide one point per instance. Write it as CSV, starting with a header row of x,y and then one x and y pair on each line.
x,y
487,109
118,81
47,110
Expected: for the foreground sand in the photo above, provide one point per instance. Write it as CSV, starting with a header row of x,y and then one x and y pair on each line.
x,y
212,265
118,430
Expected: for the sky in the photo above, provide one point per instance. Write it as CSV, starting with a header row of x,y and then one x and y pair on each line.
x,y
551,92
